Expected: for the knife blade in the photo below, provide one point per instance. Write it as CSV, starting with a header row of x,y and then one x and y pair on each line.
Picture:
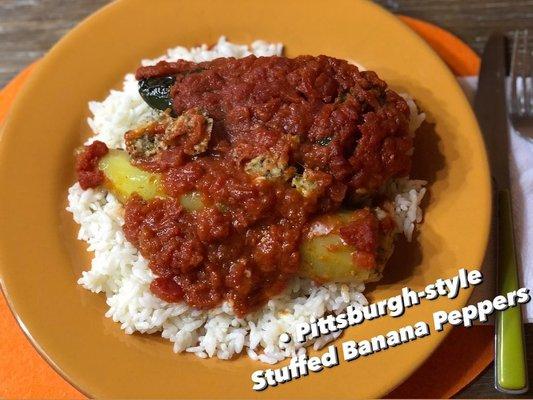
x,y
490,106
491,109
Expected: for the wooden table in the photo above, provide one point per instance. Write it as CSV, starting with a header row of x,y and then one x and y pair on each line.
x,y
29,27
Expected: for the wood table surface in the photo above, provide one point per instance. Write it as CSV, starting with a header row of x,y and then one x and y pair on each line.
x,y
28,28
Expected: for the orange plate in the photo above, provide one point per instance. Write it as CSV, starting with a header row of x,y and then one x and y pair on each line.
x,y
40,259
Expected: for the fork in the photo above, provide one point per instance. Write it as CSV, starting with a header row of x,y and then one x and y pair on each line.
x,y
521,91
510,363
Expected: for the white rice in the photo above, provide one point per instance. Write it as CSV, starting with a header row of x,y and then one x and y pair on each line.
x,y
119,271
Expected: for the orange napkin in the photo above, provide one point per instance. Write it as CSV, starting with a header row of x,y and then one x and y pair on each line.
x,y
460,358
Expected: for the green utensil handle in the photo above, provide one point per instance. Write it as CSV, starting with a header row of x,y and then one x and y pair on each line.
x,y
511,369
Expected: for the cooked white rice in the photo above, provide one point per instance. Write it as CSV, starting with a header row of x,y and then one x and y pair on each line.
x,y
119,271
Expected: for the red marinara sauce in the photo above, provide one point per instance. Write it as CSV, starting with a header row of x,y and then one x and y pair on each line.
x,y
276,122
87,165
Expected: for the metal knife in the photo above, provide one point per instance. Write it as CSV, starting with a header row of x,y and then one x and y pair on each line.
x,y
491,110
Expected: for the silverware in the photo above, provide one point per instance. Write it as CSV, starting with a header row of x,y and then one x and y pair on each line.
x,y
491,110
521,90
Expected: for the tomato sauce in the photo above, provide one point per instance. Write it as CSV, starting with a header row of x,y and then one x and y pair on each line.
x,y
290,139
87,165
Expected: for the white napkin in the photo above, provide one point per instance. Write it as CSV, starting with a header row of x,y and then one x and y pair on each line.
x,y
521,171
